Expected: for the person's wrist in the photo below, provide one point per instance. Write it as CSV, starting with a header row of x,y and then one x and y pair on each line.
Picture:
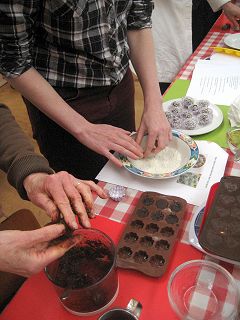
x,y
28,181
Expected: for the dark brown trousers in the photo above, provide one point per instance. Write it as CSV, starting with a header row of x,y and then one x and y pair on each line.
x,y
99,105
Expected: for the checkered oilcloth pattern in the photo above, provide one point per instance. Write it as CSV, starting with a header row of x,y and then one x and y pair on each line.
x,y
121,211
213,39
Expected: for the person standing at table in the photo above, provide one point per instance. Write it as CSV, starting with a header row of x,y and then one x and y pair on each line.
x,y
179,27
70,60
24,252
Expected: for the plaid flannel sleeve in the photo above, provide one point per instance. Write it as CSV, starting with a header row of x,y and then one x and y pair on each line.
x,y
16,36
140,14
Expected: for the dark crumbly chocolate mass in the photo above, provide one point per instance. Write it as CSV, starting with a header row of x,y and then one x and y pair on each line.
x,y
82,266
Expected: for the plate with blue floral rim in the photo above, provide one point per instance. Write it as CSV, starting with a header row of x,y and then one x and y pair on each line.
x,y
183,143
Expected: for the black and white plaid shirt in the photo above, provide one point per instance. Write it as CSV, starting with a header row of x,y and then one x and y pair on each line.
x,y
74,43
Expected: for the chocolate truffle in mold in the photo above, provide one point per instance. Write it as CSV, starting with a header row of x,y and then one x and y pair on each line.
x,y
162,245
142,212
157,215
147,201
226,199
137,224
172,219
222,212
176,206
234,228
152,228
146,241
140,256
167,232
235,213
125,252
219,226
157,261
231,187
131,237
214,239
232,242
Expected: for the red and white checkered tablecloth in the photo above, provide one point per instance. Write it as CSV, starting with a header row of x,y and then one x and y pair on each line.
x,y
121,211
214,38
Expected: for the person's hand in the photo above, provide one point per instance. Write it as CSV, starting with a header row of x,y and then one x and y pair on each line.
x,y
232,12
103,138
62,193
27,253
154,122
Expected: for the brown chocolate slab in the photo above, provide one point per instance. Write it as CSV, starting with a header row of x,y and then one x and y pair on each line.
x,y
221,231
147,241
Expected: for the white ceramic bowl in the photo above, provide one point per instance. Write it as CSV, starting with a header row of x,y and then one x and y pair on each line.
x,y
183,143
203,290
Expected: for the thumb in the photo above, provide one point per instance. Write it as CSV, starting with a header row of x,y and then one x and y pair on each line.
x,y
57,251
45,234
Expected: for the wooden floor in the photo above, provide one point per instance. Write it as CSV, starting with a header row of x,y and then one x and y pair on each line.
x,y
9,198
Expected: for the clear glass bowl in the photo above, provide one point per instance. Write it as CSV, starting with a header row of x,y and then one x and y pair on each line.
x,y
233,139
201,290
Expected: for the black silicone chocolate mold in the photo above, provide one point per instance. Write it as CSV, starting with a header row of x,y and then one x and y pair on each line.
x,y
220,233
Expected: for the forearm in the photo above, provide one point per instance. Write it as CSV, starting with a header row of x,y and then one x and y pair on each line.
x,y
41,94
142,56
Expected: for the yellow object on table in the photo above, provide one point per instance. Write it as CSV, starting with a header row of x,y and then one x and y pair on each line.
x,y
227,50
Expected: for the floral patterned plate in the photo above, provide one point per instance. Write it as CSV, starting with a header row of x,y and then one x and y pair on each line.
x,y
184,144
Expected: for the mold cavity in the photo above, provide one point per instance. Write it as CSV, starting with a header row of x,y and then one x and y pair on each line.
x,y
157,261
157,215
162,245
142,212
147,201
222,212
125,252
131,237
146,241
172,219
235,213
140,256
137,224
162,203
167,231
176,206
152,228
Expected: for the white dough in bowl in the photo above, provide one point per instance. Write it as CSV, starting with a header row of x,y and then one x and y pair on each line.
x,y
167,160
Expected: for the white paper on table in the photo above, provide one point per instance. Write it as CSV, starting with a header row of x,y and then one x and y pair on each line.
x,y
224,57
218,82
211,172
